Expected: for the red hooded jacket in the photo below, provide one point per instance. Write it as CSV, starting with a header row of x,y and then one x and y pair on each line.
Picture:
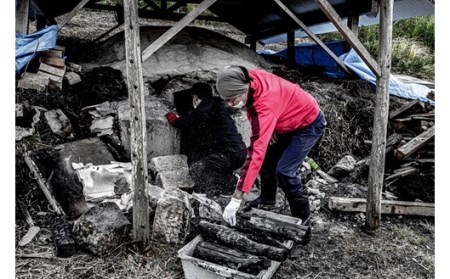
x,y
274,105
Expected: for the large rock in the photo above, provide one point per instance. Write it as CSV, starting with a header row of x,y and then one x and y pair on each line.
x,y
102,228
171,171
343,167
194,52
162,138
172,217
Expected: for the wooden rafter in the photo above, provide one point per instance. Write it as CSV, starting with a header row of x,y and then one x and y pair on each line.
x,y
313,36
334,17
169,34
67,17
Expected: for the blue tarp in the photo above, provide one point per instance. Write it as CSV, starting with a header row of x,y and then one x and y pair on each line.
x,y
313,56
396,88
27,46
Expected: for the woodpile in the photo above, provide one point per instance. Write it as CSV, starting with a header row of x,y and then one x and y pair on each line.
x,y
258,238
51,73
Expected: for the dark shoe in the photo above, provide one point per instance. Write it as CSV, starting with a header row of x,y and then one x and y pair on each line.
x,y
259,201
299,204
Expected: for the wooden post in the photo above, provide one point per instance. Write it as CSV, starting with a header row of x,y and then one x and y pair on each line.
x,y
135,83
291,47
376,171
169,34
353,24
334,17
314,37
71,14
22,12
253,45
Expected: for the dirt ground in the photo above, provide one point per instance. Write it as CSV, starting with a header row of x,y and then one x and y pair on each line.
x,y
403,247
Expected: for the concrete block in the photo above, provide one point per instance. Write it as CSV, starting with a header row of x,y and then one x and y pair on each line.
x,y
162,138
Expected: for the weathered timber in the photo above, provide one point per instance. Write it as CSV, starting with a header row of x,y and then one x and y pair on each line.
x,y
23,9
57,71
363,166
314,37
169,34
353,40
274,228
231,238
387,207
72,78
230,258
328,178
67,17
53,61
381,116
54,80
52,53
402,173
405,109
135,84
63,239
33,81
415,144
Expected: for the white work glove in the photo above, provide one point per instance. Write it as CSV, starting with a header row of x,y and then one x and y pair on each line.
x,y
229,214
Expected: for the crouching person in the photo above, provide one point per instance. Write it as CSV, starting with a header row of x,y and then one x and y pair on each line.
x,y
276,108
218,148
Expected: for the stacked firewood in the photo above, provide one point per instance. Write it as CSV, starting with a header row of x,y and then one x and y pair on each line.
x,y
415,152
53,69
251,245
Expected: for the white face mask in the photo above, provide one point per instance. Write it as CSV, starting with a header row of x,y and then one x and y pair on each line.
x,y
196,102
241,104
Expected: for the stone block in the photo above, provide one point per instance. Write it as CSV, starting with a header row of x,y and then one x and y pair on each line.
x,y
343,167
102,228
172,217
162,138
175,179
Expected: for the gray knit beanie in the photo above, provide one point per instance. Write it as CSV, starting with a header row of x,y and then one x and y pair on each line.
x,y
231,82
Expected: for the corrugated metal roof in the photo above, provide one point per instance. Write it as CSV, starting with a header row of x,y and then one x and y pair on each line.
x,y
403,9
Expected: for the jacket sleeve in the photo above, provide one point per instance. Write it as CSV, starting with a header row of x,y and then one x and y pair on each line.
x,y
197,118
263,124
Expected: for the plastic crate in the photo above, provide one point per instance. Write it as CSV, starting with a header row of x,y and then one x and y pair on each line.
x,y
195,268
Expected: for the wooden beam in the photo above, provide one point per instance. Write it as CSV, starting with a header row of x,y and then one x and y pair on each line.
x,y
387,207
314,37
22,16
108,32
67,17
169,34
378,155
353,24
415,144
291,47
135,84
331,13
404,109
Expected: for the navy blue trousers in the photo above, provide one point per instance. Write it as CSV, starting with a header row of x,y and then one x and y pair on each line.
x,y
284,158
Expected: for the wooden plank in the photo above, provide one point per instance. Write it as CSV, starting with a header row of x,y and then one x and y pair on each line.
x,y
43,184
169,34
67,17
334,17
135,84
52,53
57,71
353,24
387,207
33,81
22,16
55,81
415,144
401,173
380,122
313,36
403,109
53,61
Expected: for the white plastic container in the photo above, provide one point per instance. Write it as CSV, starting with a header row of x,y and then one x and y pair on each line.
x,y
195,268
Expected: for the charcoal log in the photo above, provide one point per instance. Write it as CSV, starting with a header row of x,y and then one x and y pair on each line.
x,y
230,258
231,238
62,238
